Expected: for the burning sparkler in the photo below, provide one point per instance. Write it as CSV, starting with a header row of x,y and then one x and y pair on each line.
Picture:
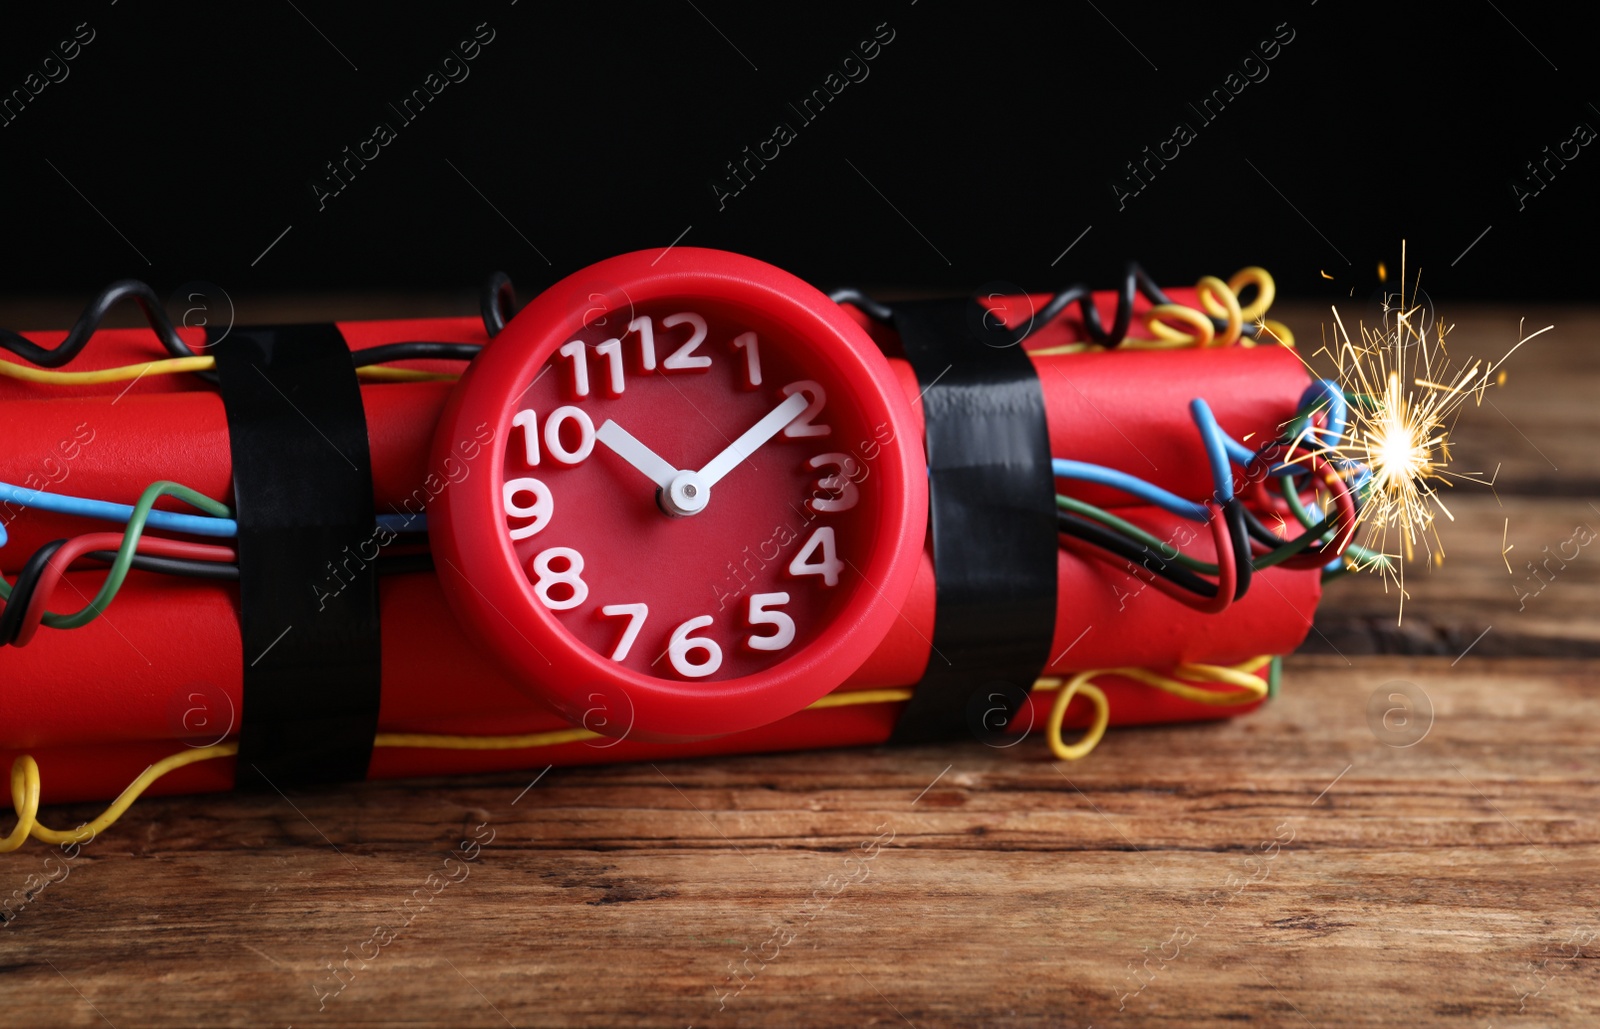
x,y
1403,395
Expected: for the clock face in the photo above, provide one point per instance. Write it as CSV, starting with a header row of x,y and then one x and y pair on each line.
x,y
704,498
689,490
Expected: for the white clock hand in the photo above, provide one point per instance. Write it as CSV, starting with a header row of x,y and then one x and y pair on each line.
x,y
625,446
753,438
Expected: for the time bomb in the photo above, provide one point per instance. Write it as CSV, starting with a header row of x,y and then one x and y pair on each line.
x,y
682,503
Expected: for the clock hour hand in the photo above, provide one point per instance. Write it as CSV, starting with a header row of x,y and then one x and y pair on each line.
x,y
625,446
747,444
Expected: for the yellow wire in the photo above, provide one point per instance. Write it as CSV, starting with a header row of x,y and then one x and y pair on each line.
x,y
1278,331
25,780
169,366
378,372
1250,689
1102,717
25,796
1219,300
176,365
861,697
526,741
1158,317
1266,290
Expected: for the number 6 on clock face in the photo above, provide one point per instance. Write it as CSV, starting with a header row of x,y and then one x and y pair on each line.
x,y
734,537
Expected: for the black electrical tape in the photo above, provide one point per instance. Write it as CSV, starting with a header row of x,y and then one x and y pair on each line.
x,y
992,512
302,484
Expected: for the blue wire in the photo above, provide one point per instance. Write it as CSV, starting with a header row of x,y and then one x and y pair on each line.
x,y
403,522
170,521
1240,454
1338,415
1337,408
1215,441
1220,448
1216,444
1329,436
1146,491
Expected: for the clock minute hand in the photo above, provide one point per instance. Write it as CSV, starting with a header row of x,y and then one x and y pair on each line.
x,y
747,444
624,445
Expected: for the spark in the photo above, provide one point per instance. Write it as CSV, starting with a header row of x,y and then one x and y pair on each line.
x,y
1405,394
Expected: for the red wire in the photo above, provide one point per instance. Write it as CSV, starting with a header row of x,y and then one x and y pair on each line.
x,y
76,547
1083,548
1227,578
1345,520
1227,571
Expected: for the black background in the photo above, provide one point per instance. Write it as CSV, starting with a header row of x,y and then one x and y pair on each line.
x,y
982,144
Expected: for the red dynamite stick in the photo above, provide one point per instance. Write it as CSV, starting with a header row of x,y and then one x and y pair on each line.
x,y
131,677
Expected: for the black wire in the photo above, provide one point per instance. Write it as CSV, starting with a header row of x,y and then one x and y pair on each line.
x,y
1090,532
89,322
1254,527
415,352
139,292
1134,279
1239,535
498,303
875,311
1259,532
22,591
1234,511
388,564
173,565
28,578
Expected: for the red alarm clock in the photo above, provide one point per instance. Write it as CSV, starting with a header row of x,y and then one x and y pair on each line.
x,y
703,504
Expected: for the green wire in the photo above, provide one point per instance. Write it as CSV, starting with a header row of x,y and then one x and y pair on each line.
x,y
1162,547
130,542
1292,495
1359,554
124,558
1297,424
1314,530
1302,417
1172,553
1274,676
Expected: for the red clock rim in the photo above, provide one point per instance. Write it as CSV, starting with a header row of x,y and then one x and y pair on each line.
x,y
495,602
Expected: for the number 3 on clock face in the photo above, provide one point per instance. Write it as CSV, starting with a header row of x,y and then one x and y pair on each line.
x,y
695,504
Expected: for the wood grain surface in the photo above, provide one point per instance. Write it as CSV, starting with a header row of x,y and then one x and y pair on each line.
x,y
1407,836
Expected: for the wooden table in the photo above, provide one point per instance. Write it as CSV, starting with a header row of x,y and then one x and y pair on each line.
x,y
1310,864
